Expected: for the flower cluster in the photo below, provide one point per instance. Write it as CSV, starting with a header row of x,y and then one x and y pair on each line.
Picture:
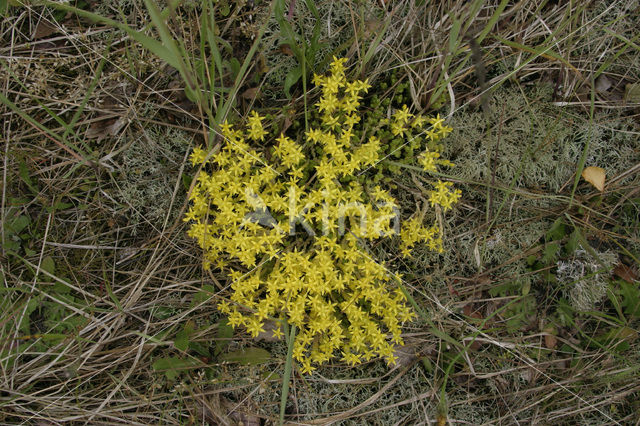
x,y
289,230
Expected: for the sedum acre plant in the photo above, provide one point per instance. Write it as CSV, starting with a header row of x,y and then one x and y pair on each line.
x,y
289,229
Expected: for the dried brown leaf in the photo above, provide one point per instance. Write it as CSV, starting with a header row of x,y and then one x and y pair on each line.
x,y
550,340
251,93
267,335
285,49
625,273
44,29
603,83
595,176
632,93
101,129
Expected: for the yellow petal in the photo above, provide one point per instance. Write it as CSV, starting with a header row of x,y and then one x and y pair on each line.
x,y
595,176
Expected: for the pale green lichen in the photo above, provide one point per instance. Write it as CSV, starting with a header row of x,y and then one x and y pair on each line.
x,y
584,278
536,145
148,174
278,54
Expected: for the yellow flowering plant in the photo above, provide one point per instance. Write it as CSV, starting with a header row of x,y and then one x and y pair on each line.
x,y
290,232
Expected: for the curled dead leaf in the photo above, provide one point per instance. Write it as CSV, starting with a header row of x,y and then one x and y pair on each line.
x,y
595,176
101,129
267,335
372,27
603,83
44,29
632,93
285,49
251,93
625,273
221,411
550,340
406,354
261,62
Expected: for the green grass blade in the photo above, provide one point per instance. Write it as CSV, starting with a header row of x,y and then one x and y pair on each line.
x,y
583,157
492,21
287,374
222,112
623,39
92,86
286,29
153,45
173,47
545,52
373,46
69,147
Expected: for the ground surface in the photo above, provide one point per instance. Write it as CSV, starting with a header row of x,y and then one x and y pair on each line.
x,y
532,312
